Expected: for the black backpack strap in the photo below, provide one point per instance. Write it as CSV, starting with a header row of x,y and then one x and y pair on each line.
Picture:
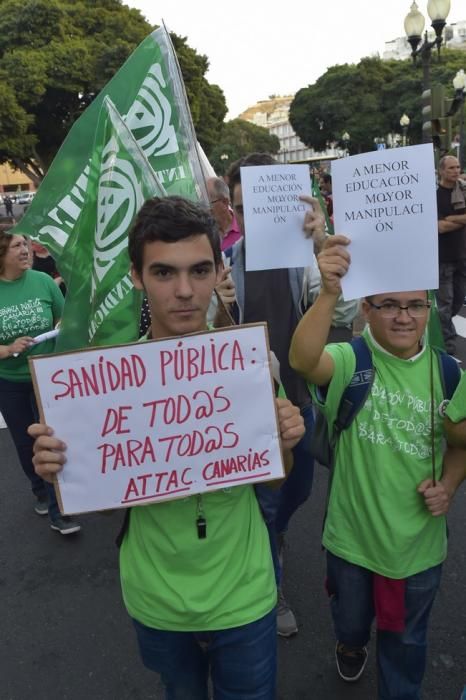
x,y
355,394
124,528
450,373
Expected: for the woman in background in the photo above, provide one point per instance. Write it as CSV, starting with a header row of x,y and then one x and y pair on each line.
x,y
30,304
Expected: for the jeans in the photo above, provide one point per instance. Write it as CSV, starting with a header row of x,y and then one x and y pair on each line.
x,y
401,657
279,505
18,407
450,298
242,661
297,487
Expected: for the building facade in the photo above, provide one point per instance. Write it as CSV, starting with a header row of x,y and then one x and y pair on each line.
x,y
272,114
455,38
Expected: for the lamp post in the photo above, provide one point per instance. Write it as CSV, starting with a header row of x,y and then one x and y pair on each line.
x,y
404,123
459,83
345,137
414,26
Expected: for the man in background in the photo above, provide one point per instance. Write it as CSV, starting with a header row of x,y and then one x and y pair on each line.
x,y
451,205
219,200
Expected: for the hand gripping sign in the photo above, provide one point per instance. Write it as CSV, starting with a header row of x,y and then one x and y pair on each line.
x,y
163,419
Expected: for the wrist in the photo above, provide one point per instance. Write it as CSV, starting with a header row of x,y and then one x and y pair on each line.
x,y
329,295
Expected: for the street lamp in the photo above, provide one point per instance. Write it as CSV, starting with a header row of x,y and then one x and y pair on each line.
x,y
404,123
345,137
459,83
414,26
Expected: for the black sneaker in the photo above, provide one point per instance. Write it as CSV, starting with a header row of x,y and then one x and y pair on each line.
x,y
351,661
64,525
41,506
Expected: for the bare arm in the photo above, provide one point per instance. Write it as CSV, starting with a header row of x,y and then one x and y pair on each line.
x,y
445,226
307,350
457,219
455,432
438,498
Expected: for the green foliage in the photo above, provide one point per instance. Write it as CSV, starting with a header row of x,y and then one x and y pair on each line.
x,y
56,56
237,139
206,101
367,100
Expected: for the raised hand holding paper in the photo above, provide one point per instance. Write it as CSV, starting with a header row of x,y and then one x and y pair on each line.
x,y
274,216
385,202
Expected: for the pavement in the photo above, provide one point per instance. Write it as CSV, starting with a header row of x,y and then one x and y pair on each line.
x,y
66,636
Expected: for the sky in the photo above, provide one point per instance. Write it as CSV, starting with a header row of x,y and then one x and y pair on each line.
x,y
256,48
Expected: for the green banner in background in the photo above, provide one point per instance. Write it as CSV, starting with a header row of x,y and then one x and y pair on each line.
x,y
102,307
148,92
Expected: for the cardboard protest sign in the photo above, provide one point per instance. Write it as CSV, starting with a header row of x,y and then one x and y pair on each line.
x,y
274,216
385,202
159,420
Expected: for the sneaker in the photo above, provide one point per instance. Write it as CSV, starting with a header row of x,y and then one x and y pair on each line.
x,y
41,506
64,525
286,621
351,661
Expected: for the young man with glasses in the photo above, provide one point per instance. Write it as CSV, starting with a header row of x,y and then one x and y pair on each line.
x,y
385,529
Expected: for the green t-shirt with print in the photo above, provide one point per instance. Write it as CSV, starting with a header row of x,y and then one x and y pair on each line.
x,y
172,580
29,306
456,409
376,518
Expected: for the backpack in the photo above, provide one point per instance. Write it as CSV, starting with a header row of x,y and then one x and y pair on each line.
x,y
356,393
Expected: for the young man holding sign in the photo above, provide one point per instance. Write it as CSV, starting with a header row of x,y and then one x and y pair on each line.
x,y
196,573
385,529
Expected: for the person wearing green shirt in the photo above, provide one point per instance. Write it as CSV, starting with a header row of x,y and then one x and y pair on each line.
x,y
455,416
30,304
385,529
196,573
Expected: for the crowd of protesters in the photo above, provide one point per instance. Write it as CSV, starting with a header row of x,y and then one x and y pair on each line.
x,y
212,605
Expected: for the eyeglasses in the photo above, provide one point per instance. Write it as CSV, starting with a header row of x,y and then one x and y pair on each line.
x,y
391,309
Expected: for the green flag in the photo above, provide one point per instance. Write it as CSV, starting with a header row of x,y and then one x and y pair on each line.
x,y
434,329
149,93
102,307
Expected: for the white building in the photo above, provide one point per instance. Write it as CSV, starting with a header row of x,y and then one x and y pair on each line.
x,y
455,38
272,114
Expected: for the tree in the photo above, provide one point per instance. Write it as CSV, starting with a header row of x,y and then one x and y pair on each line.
x,y
366,100
56,56
238,138
206,101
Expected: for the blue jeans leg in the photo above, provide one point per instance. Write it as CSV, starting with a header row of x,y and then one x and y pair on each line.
x,y
401,658
297,488
351,601
242,660
178,658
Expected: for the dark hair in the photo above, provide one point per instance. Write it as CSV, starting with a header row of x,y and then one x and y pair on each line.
x,y
233,176
171,219
327,178
5,240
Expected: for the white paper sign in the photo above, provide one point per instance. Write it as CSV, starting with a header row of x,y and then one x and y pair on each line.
x,y
386,203
154,421
274,216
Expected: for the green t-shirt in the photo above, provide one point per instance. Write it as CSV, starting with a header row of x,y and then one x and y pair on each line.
x,y
456,409
172,580
376,518
29,305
